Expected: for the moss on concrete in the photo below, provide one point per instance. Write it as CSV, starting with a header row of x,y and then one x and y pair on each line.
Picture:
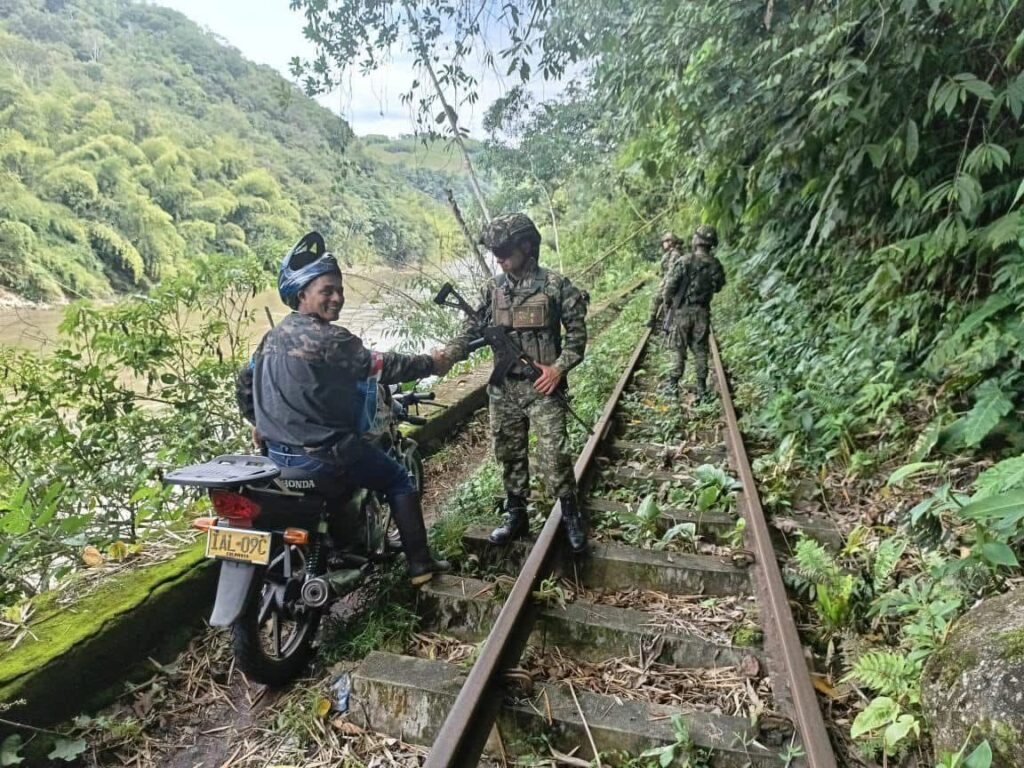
x,y
81,652
55,629
1011,645
748,637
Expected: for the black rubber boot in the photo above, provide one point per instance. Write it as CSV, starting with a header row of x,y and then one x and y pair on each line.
x,y
574,524
515,524
408,517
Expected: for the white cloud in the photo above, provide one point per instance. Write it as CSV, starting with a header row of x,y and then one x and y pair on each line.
x,y
267,32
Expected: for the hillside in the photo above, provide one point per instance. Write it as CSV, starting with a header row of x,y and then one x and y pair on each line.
x,y
131,141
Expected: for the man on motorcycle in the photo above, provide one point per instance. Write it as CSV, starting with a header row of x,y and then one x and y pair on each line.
x,y
302,393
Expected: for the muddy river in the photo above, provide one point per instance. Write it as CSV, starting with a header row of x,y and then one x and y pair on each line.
x,y
36,328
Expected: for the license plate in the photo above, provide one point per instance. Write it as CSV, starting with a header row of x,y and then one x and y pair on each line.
x,y
234,544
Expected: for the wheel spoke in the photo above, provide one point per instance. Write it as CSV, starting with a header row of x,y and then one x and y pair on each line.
x,y
266,604
275,628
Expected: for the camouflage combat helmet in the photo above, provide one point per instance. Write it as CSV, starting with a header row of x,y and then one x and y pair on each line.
x,y
669,237
707,235
508,229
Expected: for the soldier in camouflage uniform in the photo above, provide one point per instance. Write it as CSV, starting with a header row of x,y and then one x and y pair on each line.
x,y
669,253
534,303
691,282
305,390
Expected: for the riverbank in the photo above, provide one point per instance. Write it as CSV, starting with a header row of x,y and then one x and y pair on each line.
x,y
10,300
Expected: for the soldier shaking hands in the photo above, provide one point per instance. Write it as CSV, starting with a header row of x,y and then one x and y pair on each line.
x,y
534,304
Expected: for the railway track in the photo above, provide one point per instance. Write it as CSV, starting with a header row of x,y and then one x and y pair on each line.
x,y
674,638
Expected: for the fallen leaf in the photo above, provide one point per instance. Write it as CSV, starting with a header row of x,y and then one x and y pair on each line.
x,y
118,551
750,667
323,706
822,685
346,727
92,557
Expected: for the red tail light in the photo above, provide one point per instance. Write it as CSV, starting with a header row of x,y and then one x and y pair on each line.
x,y
236,508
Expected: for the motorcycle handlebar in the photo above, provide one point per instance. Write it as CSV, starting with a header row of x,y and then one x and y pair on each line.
x,y
411,398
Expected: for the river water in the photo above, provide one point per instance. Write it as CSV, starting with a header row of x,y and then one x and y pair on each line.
x,y
36,328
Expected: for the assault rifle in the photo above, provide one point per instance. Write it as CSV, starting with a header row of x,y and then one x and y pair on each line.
x,y
507,352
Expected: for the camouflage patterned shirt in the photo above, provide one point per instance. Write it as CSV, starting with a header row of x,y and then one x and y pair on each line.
x,y
668,258
534,309
693,279
301,386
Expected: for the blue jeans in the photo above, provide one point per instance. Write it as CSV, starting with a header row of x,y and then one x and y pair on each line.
x,y
360,462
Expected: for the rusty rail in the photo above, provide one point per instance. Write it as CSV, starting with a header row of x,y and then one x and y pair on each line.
x,y
462,737
782,643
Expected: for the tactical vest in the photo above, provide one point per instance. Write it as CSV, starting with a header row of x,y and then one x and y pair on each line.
x,y
699,286
532,314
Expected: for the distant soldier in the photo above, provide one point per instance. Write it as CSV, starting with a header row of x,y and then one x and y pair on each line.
x,y
669,253
688,288
534,303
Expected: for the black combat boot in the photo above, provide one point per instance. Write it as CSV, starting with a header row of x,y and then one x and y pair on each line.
x,y
409,520
702,385
574,524
516,522
670,386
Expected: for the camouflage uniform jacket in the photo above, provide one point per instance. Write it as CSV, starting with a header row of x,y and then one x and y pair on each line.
x,y
692,280
668,258
534,309
300,388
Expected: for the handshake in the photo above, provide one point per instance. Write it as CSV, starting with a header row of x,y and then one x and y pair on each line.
x,y
444,358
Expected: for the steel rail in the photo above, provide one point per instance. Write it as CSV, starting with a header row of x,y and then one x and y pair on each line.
x,y
462,737
782,643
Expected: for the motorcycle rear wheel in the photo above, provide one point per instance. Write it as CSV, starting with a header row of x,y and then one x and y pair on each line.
x,y
273,639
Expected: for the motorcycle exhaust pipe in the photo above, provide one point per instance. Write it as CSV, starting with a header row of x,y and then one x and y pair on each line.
x,y
316,592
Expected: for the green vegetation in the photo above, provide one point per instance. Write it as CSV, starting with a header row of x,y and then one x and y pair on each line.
x,y
865,177
131,142
130,390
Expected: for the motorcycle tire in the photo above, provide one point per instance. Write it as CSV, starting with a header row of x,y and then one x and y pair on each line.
x,y
262,651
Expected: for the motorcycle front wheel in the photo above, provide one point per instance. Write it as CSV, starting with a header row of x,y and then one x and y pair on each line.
x,y
273,639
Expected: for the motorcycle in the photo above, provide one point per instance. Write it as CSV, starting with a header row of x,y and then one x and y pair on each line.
x,y
291,542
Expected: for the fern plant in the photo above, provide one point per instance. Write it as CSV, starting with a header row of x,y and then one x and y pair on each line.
x,y
890,674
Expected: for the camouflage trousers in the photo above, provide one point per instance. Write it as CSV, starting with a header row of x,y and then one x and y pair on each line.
x,y
515,407
691,326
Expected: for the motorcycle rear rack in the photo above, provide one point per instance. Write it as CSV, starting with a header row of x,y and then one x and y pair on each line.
x,y
228,471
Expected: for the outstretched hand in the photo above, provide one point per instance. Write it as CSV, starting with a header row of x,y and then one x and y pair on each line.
x,y
550,378
443,360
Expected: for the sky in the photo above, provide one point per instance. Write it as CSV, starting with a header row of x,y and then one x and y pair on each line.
x,y
267,32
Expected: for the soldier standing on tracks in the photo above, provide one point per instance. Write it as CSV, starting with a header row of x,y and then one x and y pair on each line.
x,y
534,303
689,286
669,253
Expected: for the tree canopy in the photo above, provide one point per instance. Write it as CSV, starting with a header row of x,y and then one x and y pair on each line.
x,y
132,141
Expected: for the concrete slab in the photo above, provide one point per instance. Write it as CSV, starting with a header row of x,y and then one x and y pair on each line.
x,y
408,698
631,477
712,524
466,608
682,454
616,566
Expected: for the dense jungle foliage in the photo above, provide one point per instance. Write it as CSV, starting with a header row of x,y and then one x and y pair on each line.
x,y
862,162
132,141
